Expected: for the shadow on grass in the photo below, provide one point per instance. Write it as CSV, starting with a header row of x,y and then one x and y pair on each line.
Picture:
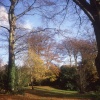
x,y
58,93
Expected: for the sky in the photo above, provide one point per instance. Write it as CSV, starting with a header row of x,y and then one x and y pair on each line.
x,y
70,25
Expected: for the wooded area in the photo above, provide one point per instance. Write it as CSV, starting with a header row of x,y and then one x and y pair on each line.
x,y
42,54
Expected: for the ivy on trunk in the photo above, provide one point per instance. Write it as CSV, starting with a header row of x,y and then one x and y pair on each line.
x,y
11,65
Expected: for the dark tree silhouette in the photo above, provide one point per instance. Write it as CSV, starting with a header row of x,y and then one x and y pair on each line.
x,y
92,9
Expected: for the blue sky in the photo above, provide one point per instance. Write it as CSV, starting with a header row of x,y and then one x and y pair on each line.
x,y
72,29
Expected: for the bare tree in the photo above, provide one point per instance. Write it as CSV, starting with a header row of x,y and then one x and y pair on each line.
x,y
12,7
92,8
78,48
44,45
69,47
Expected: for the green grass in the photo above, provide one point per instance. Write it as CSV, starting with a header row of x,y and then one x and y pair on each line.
x,y
46,91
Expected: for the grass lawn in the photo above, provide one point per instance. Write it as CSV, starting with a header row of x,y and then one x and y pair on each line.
x,y
48,93
52,92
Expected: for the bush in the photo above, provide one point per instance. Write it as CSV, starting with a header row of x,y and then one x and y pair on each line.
x,y
3,80
67,78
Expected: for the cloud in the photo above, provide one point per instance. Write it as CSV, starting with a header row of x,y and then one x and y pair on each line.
x,y
24,24
3,16
27,24
4,20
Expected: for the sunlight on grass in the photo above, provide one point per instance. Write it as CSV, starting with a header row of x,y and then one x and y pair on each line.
x,y
50,89
52,92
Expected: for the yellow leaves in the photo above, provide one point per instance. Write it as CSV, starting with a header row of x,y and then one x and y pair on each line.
x,y
53,78
35,58
38,68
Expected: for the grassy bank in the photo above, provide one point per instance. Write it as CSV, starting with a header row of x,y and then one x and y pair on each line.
x,y
49,93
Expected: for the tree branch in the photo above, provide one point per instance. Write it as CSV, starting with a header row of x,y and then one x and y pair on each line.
x,y
3,4
5,28
85,6
28,9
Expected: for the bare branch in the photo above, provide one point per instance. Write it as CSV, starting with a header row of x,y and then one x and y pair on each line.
x,y
3,4
85,6
27,10
5,28
57,13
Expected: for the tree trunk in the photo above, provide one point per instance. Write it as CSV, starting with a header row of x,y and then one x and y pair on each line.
x,y
70,60
75,59
97,34
11,65
32,81
92,10
32,84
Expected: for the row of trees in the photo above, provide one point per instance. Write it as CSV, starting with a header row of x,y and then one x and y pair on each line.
x,y
42,57
78,49
80,78
90,7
